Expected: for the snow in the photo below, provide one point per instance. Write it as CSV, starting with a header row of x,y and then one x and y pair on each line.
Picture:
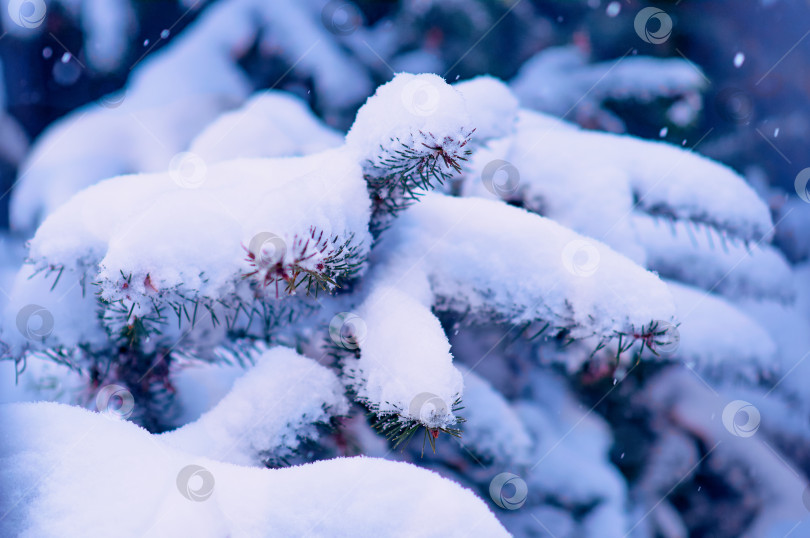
x,y
713,332
697,254
268,412
108,27
614,193
440,253
691,407
171,95
661,179
467,259
398,373
559,80
491,105
157,195
295,29
269,124
40,380
66,314
200,385
203,231
569,461
168,100
409,108
787,326
97,455
492,429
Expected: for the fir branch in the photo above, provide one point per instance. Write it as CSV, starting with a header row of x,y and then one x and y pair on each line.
x,y
399,429
315,261
398,176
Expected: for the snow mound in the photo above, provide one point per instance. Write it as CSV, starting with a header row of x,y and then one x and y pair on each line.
x,y
63,463
270,124
189,229
267,413
407,109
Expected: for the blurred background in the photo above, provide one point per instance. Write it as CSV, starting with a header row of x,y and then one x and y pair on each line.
x,y
753,58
